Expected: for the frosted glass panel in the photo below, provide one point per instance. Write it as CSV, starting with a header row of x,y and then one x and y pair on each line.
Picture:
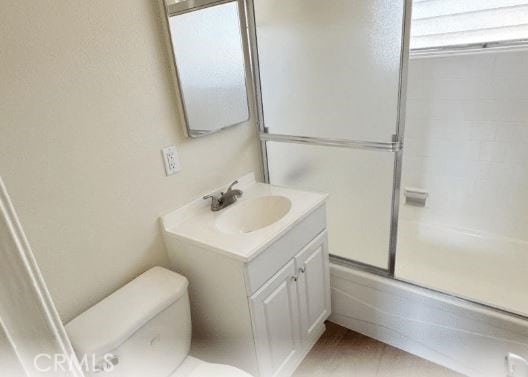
x,y
360,186
210,61
330,68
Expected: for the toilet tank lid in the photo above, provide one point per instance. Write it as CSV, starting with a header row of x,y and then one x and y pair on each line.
x,y
107,324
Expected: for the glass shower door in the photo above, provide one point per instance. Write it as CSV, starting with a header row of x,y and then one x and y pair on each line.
x,y
463,219
329,75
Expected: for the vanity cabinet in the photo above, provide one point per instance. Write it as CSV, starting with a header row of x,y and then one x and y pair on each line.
x,y
313,286
290,308
258,301
276,319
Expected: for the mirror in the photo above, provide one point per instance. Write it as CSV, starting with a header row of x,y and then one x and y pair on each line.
x,y
208,53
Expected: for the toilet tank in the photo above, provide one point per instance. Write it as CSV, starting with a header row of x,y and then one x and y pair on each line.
x,y
142,329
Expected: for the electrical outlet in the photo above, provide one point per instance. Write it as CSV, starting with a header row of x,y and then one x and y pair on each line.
x,y
171,160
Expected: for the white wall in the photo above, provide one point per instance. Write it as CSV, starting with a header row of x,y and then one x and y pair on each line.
x,y
466,137
86,103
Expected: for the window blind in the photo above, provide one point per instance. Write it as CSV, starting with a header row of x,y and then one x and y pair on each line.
x,y
441,23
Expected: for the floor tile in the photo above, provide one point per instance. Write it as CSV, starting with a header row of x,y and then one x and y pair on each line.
x,y
344,353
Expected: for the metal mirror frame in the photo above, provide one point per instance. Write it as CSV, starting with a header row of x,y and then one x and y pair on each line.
x,y
186,6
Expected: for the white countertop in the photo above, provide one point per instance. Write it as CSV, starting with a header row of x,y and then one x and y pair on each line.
x,y
195,222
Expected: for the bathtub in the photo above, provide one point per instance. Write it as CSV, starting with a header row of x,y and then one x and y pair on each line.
x,y
470,338
481,267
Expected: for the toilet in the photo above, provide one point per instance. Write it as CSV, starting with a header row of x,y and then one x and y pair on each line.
x,y
143,329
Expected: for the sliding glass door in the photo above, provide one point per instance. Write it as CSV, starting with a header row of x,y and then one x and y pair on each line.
x,y
463,224
329,74
332,86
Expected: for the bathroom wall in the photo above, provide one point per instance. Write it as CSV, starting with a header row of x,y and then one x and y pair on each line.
x,y
86,103
465,142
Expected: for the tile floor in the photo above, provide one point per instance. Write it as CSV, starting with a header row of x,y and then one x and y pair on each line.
x,y
343,353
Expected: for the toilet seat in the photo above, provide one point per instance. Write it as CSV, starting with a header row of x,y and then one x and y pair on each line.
x,y
193,367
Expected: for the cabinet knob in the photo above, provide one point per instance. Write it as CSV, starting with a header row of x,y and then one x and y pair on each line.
x,y
294,278
302,270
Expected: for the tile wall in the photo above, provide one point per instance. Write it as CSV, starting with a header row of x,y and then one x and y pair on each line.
x,y
466,141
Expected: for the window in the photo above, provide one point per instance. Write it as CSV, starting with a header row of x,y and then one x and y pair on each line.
x,y
442,23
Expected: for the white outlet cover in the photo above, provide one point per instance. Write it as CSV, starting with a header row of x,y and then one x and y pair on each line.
x,y
171,160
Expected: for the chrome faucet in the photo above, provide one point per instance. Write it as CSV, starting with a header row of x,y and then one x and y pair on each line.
x,y
224,199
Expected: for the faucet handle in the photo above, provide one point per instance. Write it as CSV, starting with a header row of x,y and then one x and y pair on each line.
x,y
215,203
213,196
231,186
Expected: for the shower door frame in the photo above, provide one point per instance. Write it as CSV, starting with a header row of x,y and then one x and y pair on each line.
x,y
396,146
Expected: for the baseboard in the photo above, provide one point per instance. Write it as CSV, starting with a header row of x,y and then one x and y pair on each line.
x,y
464,337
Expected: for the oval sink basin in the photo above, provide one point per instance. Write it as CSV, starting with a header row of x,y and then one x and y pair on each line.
x,y
253,214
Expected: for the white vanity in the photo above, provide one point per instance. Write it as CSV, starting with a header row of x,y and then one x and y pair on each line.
x,y
258,273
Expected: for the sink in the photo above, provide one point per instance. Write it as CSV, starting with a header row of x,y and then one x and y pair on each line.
x,y
246,228
254,214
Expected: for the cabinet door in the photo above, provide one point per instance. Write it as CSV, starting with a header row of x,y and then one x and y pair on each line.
x,y
276,322
314,286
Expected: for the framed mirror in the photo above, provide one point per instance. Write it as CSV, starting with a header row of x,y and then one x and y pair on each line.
x,y
208,50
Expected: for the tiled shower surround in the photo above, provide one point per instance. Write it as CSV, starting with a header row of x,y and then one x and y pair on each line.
x,y
466,141
466,144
